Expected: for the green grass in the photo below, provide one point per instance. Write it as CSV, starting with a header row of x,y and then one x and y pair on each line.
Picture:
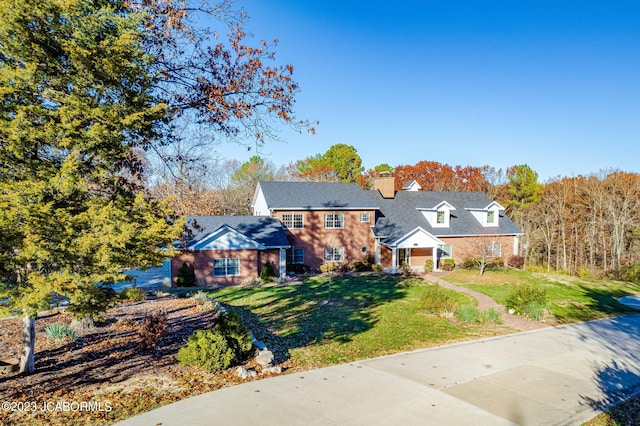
x,y
321,322
570,299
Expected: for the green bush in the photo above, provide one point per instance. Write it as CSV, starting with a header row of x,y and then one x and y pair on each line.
x,y
448,264
468,314
471,263
216,349
522,295
208,349
437,300
630,273
60,331
428,265
361,266
490,315
186,276
376,267
583,272
268,272
236,333
328,267
535,310
405,268
133,295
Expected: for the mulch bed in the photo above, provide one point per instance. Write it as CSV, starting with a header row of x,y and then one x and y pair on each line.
x,y
105,376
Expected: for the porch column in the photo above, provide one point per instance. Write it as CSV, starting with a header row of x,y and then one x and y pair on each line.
x,y
434,253
394,259
283,262
376,252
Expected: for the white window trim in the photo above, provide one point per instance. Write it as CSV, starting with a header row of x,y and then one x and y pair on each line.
x,y
336,217
293,218
334,254
366,216
226,262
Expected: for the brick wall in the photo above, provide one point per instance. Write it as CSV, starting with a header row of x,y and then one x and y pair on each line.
x,y
314,237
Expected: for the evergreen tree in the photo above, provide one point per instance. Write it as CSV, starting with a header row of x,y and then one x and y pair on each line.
x,y
75,107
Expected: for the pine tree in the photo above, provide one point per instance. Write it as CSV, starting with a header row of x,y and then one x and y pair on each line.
x,y
75,107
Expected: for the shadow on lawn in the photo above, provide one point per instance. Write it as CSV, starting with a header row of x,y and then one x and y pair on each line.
x,y
600,300
320,309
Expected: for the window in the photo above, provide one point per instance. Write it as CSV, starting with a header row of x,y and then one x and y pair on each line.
x,y
491,216
293,220
494,249
440,218
445,251
295,256
365,217
226,267
332,220
334,254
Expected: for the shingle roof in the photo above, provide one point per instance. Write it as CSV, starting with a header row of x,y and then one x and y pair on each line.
x,y
316,195
400,215
265,230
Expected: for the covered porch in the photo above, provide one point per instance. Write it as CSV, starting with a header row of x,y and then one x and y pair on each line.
x,y
415,248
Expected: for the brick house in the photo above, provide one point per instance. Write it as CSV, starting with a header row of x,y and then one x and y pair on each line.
x,y
311,223
228,250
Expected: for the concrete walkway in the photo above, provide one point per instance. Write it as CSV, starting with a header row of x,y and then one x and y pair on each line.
x,y
553,376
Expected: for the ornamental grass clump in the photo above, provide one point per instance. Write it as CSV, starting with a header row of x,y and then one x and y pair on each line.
x,y
59,332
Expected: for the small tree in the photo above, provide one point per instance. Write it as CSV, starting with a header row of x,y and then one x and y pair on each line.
x,y
268,272
186,276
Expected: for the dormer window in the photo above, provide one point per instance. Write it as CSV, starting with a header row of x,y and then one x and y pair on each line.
x,y
439,216
491,216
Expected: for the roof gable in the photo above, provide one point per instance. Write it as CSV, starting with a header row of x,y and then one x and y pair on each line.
x,y
260,231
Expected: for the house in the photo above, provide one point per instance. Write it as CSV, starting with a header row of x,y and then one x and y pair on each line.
x,y
228,250
307,224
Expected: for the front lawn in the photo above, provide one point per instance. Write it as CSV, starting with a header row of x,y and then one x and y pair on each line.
x,y
571,299
322,321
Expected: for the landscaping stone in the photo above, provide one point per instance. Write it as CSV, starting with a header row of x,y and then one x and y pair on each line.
x,y
265,358
272,370
243,373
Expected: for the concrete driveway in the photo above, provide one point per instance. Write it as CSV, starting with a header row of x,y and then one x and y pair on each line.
x,y
555,376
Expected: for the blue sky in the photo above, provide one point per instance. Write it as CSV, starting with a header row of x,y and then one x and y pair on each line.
x,y
553,84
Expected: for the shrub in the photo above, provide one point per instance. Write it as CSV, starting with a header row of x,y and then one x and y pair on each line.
x,y
516,262
376,267
522,295
152,328
405,268
584,272
328,267
268,272
448,264
467,314
60,331
436,300
207,349
490,315
428,265
216,349
361,266
133,295
630,273
494,263
535,310
471,263
238,337
186,276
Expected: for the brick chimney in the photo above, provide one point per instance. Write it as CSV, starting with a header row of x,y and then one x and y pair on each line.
x,y
386,185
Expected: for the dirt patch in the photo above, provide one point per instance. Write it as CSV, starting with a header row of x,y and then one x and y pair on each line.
x,y
105,376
